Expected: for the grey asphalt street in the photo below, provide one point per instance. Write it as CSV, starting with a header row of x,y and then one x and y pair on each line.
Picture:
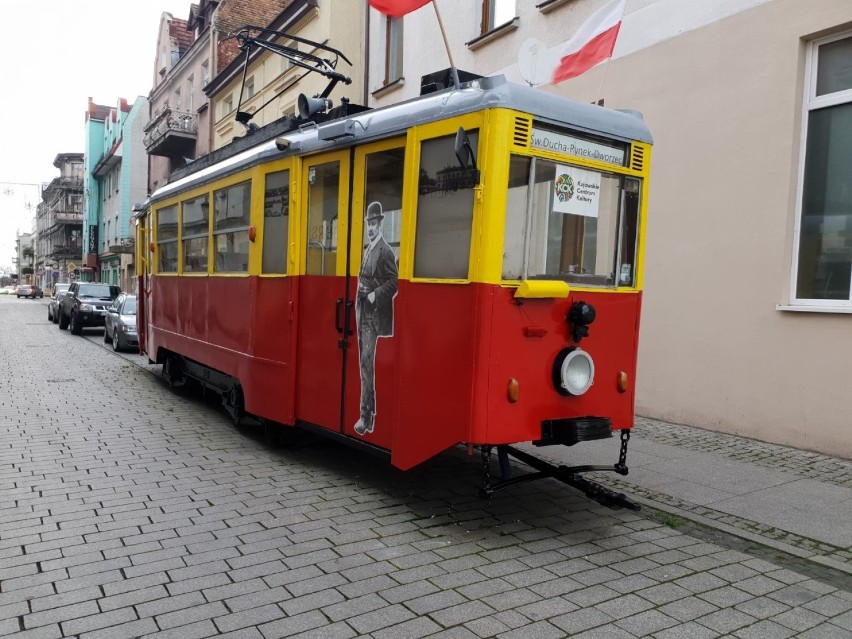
x,y
130,510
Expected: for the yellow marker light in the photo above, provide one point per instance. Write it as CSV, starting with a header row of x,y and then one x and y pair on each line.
x,y
513,390
622,382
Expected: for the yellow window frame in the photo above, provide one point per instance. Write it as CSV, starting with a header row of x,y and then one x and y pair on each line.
x,y
416,136
501,148
285,164
342,208
359,206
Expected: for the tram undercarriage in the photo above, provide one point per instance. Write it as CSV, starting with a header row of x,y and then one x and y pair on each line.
x,y
177,370
570,475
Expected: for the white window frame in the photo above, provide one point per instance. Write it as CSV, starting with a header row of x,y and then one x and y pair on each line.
x,y
394,33
492,11
812,102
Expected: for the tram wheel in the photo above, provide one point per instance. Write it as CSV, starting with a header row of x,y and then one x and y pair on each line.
x,y
234,403
172,372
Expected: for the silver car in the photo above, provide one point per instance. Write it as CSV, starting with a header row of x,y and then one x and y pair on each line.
x,y
120,323
59,291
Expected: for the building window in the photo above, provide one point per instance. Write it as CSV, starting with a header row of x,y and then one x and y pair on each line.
x,y
190,93
177,100
286,62
249,88
823,261
393,50
496,13
227,105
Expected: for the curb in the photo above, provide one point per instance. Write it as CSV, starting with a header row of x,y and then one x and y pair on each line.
x,y
743,534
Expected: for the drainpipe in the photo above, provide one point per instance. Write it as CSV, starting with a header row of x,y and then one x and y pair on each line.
x,y
367,56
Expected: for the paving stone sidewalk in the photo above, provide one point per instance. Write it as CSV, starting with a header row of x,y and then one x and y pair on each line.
x,y
129,510
796,501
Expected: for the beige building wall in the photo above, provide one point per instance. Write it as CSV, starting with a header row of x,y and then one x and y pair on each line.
x,y
721,88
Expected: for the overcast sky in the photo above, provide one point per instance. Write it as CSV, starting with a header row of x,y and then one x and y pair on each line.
x,y
56,54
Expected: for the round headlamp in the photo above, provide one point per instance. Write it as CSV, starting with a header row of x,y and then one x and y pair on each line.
x,y
573,371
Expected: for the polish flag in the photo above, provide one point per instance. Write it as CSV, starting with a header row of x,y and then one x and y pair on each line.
x,y
593,42
397,8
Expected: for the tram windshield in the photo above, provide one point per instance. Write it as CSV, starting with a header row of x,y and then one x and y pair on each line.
x,y
570,223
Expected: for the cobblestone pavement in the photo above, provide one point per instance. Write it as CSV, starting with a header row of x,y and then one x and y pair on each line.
x,y
131,511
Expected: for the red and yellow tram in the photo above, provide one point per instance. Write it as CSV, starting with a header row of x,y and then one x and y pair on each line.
x,y
464,267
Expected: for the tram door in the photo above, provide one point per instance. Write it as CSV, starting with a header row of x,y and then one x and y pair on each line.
x,y
143,283
372,359
322,290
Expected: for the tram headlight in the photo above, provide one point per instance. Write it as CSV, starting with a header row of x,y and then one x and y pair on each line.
x,y
573,371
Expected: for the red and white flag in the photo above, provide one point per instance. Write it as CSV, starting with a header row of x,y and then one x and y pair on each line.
x,y
397,8
593,42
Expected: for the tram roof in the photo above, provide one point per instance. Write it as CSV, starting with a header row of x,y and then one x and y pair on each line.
x,y
476,95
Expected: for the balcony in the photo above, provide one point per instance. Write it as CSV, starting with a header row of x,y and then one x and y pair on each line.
x,y
66,252
67,217
171,133
125,245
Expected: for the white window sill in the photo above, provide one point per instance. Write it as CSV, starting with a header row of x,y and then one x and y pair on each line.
x,y
549,5
389,88
494,34
814,309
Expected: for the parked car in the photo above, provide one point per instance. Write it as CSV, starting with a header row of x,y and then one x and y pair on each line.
x,y
38,292
27,290
7,290
120,323
59,291
85,304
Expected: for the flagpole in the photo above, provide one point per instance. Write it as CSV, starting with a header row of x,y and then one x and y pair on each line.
x,y
453,70
603,80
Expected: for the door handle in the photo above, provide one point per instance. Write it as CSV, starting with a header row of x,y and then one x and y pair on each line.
x,y
337,324
349,305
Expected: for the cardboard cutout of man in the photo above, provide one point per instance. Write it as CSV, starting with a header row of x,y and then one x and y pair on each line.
x,y
377,285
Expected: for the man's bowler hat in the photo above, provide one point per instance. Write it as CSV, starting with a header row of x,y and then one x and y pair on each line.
x,y
374,211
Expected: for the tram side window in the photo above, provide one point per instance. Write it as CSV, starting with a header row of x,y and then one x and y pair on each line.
x,y
196,229
167,233
444,211
232,208
276,217
383,184
517,195
323,200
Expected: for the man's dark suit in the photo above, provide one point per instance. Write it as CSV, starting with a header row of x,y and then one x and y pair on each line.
x,y
378,275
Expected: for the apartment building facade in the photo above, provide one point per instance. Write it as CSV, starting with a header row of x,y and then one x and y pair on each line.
x,y
59,222
120,172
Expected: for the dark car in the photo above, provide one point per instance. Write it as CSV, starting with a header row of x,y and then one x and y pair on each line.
x,y
26,290
85,304
120,323
59,291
